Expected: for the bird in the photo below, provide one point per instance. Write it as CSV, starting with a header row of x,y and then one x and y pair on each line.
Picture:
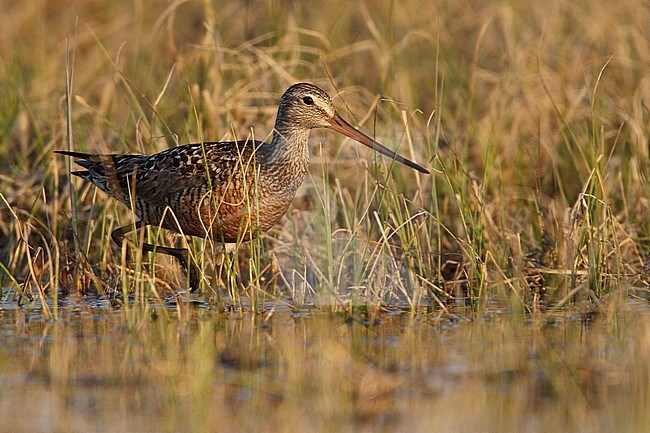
x,y
227,190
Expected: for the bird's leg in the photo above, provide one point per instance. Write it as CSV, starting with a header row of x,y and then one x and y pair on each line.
x,y
180,254
117,235
183,257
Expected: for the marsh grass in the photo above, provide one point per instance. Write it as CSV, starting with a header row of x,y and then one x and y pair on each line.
x,y
533,119
505,292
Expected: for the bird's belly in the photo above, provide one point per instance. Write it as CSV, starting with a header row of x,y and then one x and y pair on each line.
x,y
231,221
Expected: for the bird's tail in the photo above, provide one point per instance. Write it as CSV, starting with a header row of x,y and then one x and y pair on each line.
x,y
95,167
78,155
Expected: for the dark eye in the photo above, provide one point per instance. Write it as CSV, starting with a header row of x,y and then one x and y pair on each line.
x,y
308,100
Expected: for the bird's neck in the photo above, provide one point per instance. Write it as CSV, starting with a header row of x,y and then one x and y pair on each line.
x,y
290,144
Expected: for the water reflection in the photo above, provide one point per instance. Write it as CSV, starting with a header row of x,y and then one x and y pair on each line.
x,y
203,370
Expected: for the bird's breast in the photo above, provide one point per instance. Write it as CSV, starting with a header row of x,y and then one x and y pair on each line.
x,y
243,206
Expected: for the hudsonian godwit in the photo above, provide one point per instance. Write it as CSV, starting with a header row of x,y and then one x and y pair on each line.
x,y
229,191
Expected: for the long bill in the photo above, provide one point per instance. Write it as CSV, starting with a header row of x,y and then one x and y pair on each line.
x,y
341,126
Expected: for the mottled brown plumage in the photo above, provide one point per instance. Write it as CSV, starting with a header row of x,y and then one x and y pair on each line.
x,y
228,191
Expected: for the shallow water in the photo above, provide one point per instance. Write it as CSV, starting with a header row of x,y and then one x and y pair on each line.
x,y
101,368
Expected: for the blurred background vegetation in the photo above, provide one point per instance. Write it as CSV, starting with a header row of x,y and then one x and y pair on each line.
x,y
534,116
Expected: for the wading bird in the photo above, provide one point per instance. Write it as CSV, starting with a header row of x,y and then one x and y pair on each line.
x,y
228,191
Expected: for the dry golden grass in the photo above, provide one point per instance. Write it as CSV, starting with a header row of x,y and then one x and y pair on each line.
x,y
529,245
533,115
